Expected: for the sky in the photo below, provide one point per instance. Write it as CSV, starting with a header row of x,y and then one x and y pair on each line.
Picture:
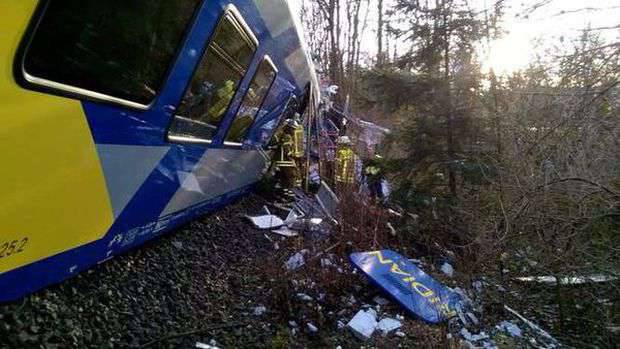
x,y
526,35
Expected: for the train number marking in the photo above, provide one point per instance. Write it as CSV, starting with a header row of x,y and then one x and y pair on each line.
x,y
9,248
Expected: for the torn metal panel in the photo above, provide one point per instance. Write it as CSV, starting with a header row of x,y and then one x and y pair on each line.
x,y
412,288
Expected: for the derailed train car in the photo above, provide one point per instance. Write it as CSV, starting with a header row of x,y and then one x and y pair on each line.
x,y
124,119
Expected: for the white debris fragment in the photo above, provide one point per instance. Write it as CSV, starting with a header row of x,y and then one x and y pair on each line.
x,y
512,329
386,325
392,230
326,262
341,324
259,310
380,300
363,324
205,346
296,260
285,231
266,221
473,337
447,269
311,327
292,323
394,213
574,280
531,324
292,217
400,334
304,297
473,318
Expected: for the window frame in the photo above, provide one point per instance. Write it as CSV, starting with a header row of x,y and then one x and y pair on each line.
x,y
232,13
31,82
266,58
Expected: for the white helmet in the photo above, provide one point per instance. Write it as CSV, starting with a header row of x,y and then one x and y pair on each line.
x,y
344,140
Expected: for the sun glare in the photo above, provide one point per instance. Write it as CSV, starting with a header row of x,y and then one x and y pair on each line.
x,y
507,55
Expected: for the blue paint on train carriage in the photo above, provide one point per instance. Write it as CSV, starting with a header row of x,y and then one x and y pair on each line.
x,y
165,184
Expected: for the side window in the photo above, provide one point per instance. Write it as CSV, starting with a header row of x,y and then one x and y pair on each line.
x,y
118,51
287,112
215,81
252,101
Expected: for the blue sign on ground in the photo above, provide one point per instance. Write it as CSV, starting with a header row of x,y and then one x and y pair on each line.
x,y
413,289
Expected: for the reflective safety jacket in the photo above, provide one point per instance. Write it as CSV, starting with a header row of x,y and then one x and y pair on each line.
x,y
298,141
284,153
344,165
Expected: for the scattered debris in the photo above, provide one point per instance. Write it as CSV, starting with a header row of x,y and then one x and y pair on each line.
x,y
473,337
574,280
266,221
532,325
386,325
363,324
392,230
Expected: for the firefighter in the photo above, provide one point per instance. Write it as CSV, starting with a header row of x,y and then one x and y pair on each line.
x,y
288,154
375,179
344,173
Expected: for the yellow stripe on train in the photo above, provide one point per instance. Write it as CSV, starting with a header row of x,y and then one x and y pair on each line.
x,y
53,195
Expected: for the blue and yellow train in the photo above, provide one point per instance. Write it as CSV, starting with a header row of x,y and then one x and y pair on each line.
x,y
124,119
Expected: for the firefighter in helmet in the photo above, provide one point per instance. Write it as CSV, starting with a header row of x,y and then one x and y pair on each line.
x,y
344,162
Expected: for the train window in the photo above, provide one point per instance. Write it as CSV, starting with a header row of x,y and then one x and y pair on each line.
x,y
287,113
117,51
252,101
215,81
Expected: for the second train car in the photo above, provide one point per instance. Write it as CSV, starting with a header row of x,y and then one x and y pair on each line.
x,y
124,119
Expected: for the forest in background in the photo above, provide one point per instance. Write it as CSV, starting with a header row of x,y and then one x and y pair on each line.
x,y
518,173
